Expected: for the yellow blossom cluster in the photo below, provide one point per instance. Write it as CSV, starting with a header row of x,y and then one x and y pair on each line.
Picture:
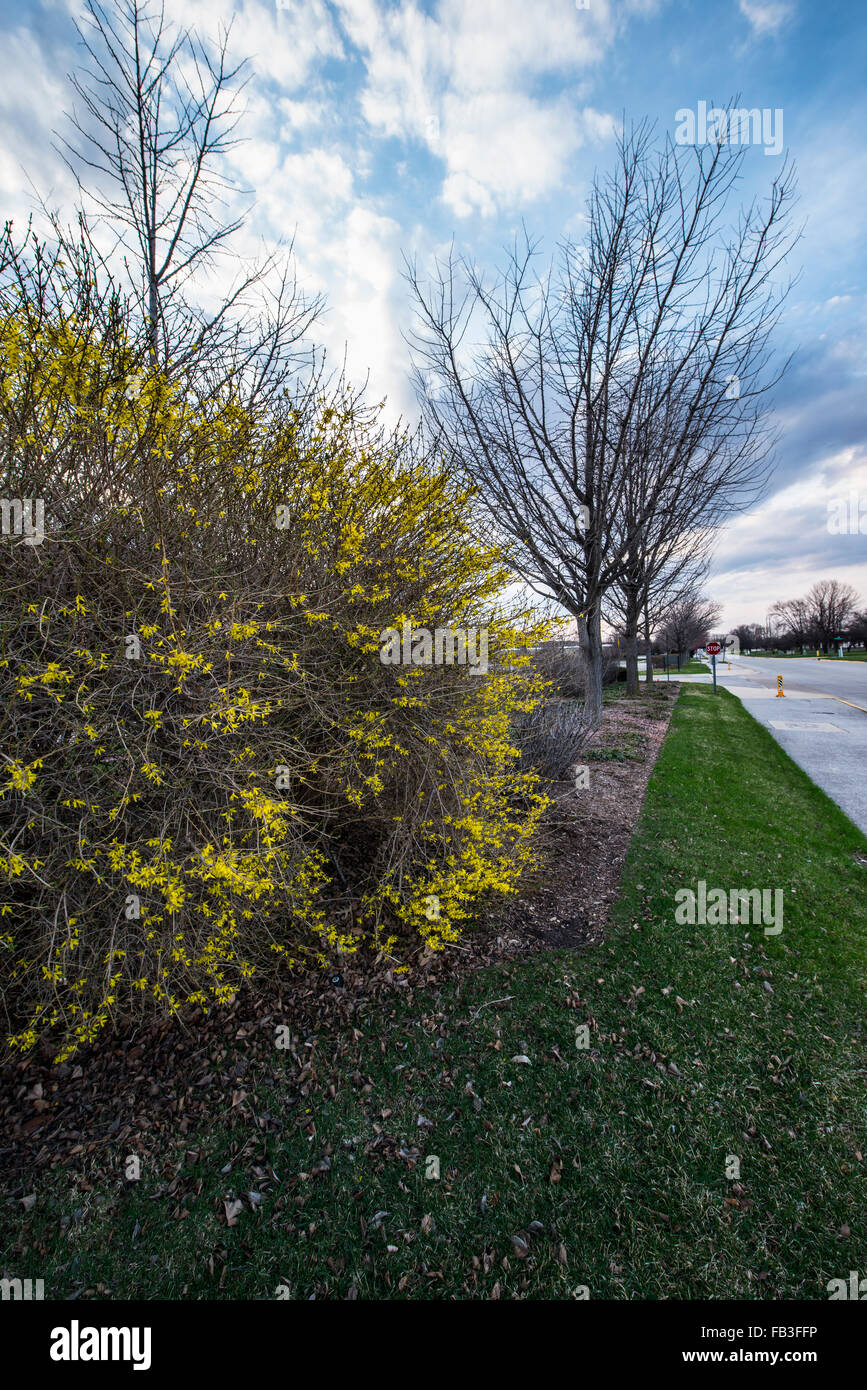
x,y
208,773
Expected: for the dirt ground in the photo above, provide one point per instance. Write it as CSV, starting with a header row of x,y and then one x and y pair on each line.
x,y
585,836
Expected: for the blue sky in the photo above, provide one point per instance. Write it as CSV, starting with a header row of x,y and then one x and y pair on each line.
x,y
376,129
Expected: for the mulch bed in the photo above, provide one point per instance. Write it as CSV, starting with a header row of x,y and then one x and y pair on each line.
x,y
166,1078
586,833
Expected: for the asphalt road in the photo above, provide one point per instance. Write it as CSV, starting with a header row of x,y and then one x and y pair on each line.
x,y
821,722
845,680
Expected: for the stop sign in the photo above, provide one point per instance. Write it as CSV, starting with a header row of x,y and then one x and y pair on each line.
x,y
713,648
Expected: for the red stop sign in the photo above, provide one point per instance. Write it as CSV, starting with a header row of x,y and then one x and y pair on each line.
x,y
713,648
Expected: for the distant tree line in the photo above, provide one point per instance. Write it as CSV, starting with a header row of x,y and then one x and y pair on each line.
x,y
829,612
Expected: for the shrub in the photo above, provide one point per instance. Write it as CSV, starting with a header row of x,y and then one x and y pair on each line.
x,y
611,668
563,666
552,735
207,772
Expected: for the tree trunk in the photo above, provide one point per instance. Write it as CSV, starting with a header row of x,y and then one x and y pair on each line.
x,y
648,675
590,633
630,647
153,321
632,687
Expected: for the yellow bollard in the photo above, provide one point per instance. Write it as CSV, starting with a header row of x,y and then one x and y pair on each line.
x,y
780,695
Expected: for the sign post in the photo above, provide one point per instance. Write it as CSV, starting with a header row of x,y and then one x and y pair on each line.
x,y
713,649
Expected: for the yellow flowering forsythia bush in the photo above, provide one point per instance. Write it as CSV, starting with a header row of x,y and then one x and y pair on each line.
x,y
206,771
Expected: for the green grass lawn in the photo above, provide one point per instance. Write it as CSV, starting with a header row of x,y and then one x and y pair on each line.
x,y
560,1166
691,667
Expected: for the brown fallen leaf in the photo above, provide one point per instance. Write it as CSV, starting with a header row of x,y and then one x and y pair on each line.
x,y
233,1211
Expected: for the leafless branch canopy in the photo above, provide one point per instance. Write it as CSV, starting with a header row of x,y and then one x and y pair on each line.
x,y
156,114
618,396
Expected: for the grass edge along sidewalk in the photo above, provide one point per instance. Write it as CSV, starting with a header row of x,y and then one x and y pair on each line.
x,y
708,1143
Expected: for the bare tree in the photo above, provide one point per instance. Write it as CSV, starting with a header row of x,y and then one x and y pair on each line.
x,y
751,636
661,576
542,389
817,619
689,624
792,622
857,631
830,605
667,544
157,114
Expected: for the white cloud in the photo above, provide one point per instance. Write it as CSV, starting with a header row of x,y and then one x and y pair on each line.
x,y
766,16
285,41
466,83
502,44
33,96
782,547
300,115
366,267
504,147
